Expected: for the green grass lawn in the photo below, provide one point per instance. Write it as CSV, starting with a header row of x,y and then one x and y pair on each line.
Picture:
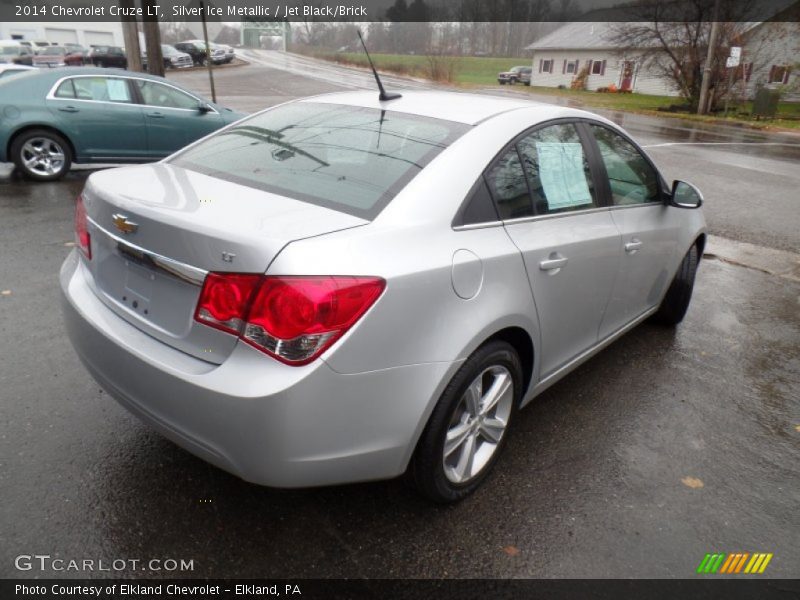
x,y
473,71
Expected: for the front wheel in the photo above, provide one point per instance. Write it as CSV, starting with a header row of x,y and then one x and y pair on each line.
x,y
42,155
468,427
676,301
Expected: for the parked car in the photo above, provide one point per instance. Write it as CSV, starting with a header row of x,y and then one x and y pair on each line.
x,y
77,55
98,115
107,56
197,50
51,56
230,53
8,70
514,75
173,59
342,289
16,53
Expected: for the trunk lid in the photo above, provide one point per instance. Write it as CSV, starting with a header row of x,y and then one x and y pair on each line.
x,y
156,230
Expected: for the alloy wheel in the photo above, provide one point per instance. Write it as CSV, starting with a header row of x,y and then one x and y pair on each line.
x,y
43,156
478,424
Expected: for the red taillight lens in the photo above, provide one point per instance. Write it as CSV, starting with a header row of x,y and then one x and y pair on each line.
x,y
82,238
294,319
224,300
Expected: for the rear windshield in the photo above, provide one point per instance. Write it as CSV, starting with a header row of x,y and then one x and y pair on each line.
x,y
347,158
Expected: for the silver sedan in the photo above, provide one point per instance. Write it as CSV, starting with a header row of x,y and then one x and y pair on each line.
x,y
342,288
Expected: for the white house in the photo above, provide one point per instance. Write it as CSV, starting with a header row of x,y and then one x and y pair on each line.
x,y
770,51
106,33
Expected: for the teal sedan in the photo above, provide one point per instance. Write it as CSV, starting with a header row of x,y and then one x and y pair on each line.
x,y
52,118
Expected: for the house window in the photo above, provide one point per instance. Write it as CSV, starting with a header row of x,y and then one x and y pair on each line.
x,y
779,73
598,67
547,66
570,66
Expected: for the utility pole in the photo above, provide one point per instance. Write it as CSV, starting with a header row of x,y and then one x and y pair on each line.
x,y
130,36
208,52
152,40
712,46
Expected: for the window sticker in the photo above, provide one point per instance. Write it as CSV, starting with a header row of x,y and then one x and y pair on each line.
x,y
117,90
561,174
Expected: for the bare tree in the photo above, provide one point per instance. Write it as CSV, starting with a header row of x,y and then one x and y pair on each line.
x,y
670,38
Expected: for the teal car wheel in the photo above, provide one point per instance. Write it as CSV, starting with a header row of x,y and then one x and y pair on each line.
x,y
41,155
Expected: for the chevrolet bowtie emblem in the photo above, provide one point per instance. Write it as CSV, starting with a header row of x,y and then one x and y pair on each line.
x,y
123,224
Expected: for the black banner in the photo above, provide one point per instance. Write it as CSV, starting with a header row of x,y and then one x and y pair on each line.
x,y
394,10
702,588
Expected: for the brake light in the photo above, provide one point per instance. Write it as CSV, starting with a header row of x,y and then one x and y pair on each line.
x,y
82,237
294,319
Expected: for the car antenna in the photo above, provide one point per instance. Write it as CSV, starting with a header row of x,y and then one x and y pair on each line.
x,y
384,95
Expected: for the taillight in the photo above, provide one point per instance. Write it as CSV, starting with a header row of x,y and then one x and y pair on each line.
x,y
294,319
82,238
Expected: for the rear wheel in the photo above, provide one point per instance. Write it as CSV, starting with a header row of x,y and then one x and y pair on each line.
x,y
467,430
41,154
676,301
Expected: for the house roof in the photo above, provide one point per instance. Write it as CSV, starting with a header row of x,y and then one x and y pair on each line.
x,y
577,35
590,35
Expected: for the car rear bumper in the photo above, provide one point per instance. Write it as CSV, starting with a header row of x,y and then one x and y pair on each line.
x,y
264,421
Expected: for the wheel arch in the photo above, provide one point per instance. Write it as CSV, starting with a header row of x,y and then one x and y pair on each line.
x,y
700,242
521,341
31,126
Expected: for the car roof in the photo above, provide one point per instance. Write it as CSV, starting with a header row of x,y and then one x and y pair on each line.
x,y
72,71
461,107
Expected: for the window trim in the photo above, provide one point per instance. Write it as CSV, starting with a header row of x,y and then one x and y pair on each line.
x,y
596,168
135,97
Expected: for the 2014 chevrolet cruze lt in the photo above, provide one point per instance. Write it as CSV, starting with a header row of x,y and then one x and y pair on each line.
x,y
342,288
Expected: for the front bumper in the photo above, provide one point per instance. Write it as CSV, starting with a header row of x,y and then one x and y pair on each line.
x,y
264,421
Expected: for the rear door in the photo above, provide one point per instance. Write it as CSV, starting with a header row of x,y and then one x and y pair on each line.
x,y
648,228
100,117
545,193
172,117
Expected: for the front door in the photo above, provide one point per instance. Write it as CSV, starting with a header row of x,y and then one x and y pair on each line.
x,y
649,229
173,118
569,244
627,75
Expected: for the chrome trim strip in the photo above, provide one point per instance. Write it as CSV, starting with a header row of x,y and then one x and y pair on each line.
x,y
169,266
586,211
472,226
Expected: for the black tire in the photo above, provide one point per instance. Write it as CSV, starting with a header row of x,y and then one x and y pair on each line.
x,y
676,301
502,82
427,467
48,143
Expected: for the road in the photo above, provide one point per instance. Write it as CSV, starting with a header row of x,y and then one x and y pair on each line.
x,y
666,446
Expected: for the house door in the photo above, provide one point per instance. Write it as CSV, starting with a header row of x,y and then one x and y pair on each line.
x,y
627,75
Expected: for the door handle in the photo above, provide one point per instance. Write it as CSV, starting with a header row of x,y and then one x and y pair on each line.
x,y
156,115
554,263
68,109
632,246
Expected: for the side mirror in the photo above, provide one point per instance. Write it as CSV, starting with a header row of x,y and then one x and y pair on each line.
x,y
203,107
685,195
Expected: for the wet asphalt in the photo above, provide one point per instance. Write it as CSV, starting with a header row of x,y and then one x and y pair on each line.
x,y
667,445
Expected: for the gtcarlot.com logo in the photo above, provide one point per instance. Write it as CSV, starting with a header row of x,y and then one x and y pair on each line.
x,y
734,563
45,562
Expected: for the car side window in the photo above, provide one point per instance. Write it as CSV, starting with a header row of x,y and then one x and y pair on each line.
x,y
65,90
633,180
557,169
506,182
102,89
156,94
479,207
